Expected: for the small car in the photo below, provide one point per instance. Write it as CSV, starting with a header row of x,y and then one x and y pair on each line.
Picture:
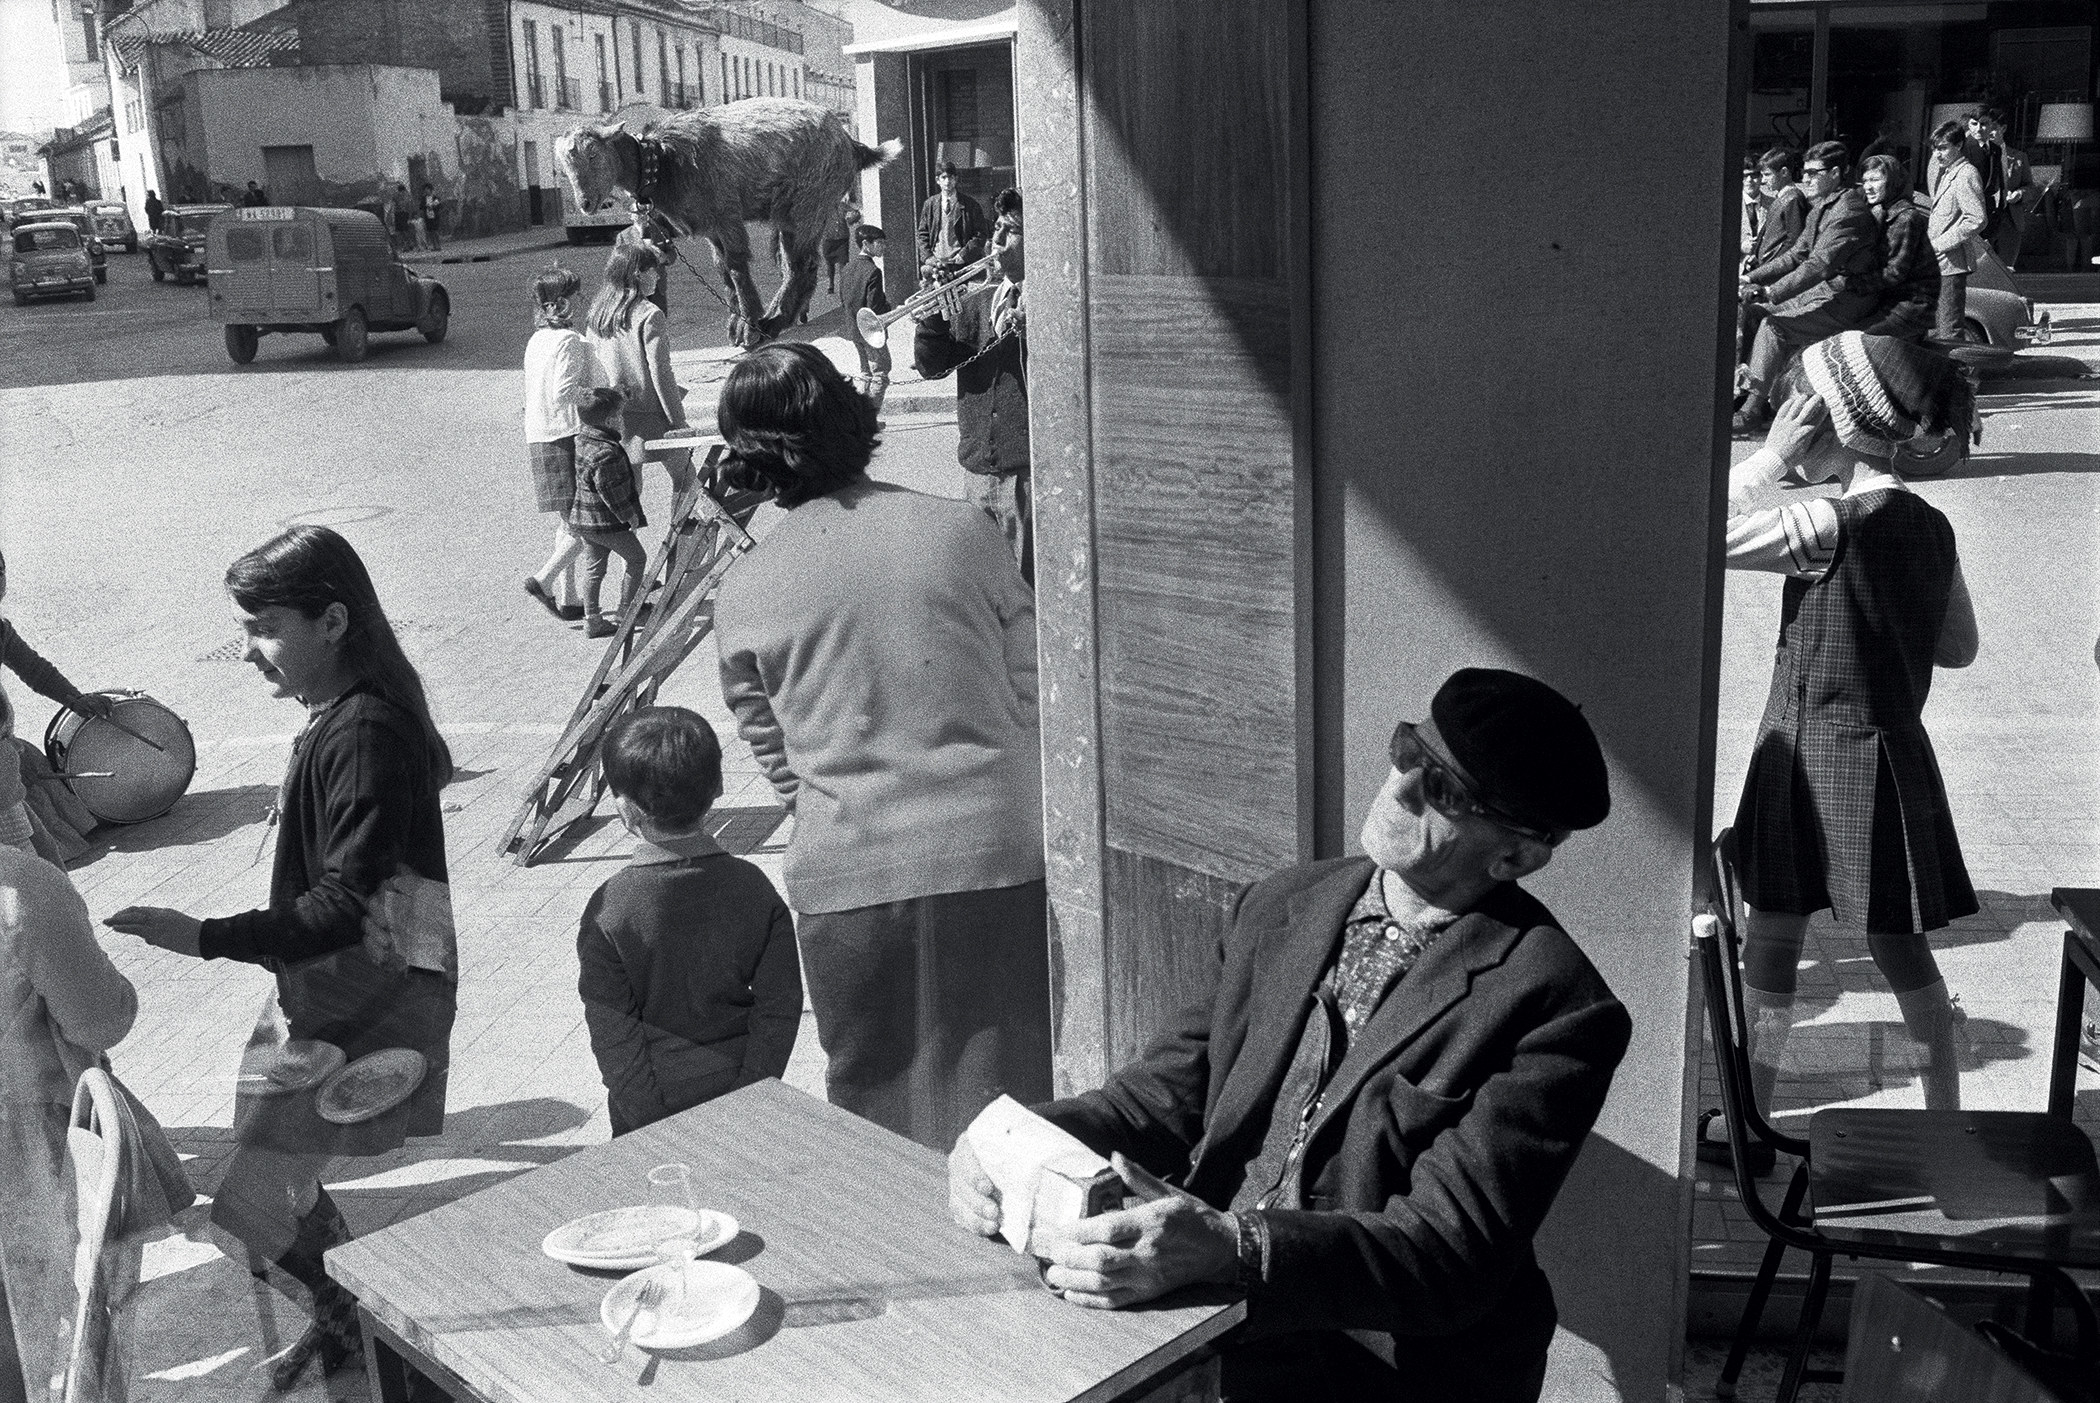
x,y
15,211
112,219
177,251
81,220
277,268
1995,314
49,259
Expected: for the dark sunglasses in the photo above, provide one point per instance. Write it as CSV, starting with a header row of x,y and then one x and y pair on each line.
x,y
1446,793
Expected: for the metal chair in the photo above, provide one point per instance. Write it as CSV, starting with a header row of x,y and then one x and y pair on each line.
x,y
1999,1191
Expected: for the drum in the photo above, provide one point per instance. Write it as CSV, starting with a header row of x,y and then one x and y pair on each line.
x,y
143,748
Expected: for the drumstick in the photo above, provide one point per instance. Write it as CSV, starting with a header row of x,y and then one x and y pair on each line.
x,y
135,735
68,779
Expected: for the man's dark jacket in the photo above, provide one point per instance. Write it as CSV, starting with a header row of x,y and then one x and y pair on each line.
x,y
991,391
1838,255
1443,1137
966,223
860,285
1783,222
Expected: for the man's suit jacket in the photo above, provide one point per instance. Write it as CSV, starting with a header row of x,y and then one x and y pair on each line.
x,y
1441,1141
1839,245
1958,215
967,225
1783,221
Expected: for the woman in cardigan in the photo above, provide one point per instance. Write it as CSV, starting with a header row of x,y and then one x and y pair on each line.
x,y
1910,270
358,825
878,649
62,1004
633,342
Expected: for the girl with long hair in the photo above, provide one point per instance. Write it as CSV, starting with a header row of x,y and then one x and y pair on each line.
x,y
358,829
878,649
633,342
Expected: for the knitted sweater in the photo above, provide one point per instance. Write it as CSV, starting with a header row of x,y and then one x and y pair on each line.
x,y
45,680
878,649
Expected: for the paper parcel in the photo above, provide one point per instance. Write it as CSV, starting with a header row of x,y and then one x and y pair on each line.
x,y
1047,1180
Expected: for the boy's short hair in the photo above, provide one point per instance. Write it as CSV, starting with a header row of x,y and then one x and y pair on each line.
x,y
944,168
868,234
666,761
1781,160
598,404
1833,154
1007,201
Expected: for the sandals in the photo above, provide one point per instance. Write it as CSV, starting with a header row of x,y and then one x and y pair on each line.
x,y
1762,1158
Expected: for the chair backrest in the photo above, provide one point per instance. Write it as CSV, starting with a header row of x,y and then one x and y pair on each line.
x,y
93,1146
1905,1349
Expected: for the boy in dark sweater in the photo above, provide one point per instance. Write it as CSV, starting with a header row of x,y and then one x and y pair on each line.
x,y
690,983
861,286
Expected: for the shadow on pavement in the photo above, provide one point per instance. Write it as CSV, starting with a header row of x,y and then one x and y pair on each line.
x,y
196,818
2022,465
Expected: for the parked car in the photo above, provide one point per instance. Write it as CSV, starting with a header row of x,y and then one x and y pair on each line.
x,y
1997,314
177,251
79,219
12,211
113,224
277,268
49,259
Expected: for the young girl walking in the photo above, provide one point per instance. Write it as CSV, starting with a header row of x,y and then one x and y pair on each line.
x,y
559,365
358,827
633,342
607,507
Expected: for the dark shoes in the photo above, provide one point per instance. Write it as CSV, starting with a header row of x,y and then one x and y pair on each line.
x,y
567,613
570,613
1761,1157
598,626
1752,419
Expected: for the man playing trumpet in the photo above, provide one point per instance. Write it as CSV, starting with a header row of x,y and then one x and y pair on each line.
x,y
983,339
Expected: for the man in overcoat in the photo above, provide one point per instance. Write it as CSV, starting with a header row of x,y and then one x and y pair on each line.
x,y
1365,1118
1827,282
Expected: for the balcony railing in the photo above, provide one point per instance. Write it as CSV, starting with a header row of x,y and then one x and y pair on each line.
x,y
568,94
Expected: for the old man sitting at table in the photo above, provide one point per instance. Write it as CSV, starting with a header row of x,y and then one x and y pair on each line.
x,y
1364,1120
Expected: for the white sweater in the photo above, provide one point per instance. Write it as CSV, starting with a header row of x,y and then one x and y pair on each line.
x,y
557,365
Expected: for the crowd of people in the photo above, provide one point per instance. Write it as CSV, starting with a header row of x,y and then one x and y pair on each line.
x,y
1831,245
1373,1191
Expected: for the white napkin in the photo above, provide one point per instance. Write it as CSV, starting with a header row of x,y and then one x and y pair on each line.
x,y
1016,1146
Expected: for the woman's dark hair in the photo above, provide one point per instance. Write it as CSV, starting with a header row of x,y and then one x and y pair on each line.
x,y
667,760
1007,201
1783,160
308,568
1832,154
1893,172
621,292
793,424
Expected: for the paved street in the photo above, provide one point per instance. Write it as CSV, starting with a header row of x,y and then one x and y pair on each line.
x,y
139,461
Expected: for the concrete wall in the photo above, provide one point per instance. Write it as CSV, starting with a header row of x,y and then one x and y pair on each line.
x,y
1516,456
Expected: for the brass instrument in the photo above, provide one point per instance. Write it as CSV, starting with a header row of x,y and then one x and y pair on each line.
x,y
874,328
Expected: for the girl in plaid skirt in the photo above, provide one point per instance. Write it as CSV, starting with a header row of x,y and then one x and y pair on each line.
x,y
1844,808
559,365
607,505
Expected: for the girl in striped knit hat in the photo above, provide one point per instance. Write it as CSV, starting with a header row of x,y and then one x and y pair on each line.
x,y
1843,807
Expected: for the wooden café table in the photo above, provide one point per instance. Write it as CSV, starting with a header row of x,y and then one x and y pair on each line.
x,y
868,1291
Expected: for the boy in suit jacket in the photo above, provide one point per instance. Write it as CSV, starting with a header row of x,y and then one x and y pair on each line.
x,y
860,285
1365,1119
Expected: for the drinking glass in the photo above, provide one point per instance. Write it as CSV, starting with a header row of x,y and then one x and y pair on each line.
x,y
672,1186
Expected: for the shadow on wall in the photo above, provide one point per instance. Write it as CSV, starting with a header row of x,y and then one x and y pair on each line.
x,y
1617,1191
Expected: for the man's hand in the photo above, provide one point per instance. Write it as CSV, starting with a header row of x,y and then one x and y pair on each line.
x,y
1795,428
159,926
973,1199
92,704
1748,291
1130,1256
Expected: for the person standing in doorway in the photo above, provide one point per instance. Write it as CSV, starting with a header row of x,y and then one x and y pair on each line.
x,y
1843,807
432,207
952,227
986,345
2008,185
1959,215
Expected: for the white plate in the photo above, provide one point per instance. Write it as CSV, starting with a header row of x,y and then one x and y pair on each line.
x,y
371,1086
288,1067
717,1298
623,1239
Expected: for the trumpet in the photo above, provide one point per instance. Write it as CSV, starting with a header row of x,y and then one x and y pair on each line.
x,y
874,327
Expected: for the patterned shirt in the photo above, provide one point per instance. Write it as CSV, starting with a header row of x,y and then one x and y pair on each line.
x,y
1377,950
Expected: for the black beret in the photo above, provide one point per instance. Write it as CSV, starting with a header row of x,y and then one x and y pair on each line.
x,y
1524,748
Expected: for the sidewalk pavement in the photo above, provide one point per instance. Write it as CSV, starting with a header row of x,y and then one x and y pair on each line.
x,y
492,247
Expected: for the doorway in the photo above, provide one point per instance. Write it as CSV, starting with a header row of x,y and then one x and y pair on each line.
x,y
535,208
289,176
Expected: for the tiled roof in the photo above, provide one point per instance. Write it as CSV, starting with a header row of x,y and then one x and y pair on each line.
x,y
232,48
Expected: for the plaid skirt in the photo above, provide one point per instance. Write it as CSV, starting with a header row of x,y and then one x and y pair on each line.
x,y
553,473
1854,818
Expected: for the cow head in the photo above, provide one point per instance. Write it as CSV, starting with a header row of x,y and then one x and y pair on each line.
x,y
597,161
